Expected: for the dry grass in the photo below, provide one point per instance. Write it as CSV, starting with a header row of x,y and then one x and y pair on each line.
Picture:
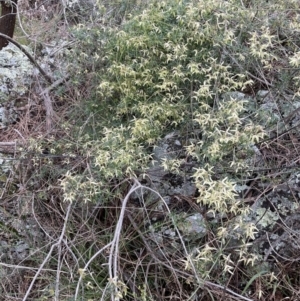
x,y
84,248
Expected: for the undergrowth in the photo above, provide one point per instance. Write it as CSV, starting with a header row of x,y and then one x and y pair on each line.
x,y
140,72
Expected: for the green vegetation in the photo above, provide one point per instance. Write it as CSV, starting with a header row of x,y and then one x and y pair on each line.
x,y
140,70
158,72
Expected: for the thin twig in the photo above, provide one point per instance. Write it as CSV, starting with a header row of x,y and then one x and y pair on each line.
x,y
86,266
55,84
112,263
36,220
114,251
265,82
18,132
136,228
201,282
20,22
57,244
6,144
49,109
113,256
22,267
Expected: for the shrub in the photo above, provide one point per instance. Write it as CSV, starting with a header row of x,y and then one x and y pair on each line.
x,y
164,70
168,68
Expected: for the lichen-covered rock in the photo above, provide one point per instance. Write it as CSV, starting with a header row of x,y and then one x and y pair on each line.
x,y
276,216
235,95
15,72
15,77
193,227
168,148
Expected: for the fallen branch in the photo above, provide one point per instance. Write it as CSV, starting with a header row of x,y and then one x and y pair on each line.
x,y
8,147
5,144
50,114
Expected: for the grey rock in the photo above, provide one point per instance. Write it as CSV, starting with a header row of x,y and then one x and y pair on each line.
x,y
161,205
170,232
177,142
186,189
21,247
3,117
193,227
234,95
262,94
161,152
15,71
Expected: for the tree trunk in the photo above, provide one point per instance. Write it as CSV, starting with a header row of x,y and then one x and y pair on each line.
x,y
7,20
